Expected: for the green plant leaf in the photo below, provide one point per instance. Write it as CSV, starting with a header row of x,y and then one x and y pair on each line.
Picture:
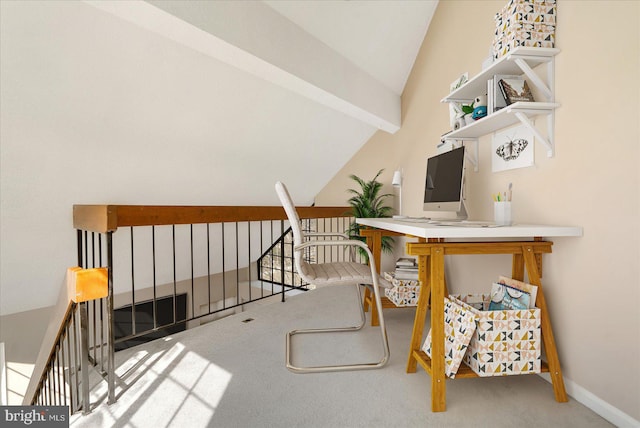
x,y
367,202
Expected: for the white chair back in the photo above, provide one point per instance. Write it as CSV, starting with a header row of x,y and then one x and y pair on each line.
x,y
296,227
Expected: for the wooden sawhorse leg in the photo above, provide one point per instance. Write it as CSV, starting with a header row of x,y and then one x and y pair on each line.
x,y
432,292
374,242
528,260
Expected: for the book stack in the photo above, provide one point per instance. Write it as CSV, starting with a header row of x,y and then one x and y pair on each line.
x,y
503,90
406,269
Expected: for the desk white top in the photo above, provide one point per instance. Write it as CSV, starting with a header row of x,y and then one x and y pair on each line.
x,y
427,230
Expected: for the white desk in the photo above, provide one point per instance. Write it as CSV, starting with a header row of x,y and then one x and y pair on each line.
x,y
524,242
426,230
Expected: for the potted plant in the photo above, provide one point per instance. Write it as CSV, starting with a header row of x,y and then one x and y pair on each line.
x,y
467,110
367,202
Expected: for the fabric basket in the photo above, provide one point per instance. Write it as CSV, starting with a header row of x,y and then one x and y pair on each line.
x,y
403,292
505,342
530,23
459,326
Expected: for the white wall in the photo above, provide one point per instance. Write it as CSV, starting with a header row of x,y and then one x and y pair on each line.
x,y
96,110
591,283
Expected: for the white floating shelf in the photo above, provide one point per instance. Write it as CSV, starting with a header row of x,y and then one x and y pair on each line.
x,y
501,119
505,65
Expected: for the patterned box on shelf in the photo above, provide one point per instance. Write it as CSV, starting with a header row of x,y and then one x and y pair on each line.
x,y
530,23
404,292
459,326
506,342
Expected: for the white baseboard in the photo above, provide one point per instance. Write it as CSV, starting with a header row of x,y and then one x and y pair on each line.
x,y
595,403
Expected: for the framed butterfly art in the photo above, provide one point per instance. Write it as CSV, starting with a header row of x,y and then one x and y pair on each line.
x,y
512,148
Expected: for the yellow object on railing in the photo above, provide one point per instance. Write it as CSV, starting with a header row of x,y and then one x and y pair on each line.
x,y
87,284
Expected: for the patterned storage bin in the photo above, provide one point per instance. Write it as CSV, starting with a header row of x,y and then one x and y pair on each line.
x,y
459,326
530,23
505,342
404,292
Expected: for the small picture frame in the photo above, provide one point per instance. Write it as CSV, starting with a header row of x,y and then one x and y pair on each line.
x,y
512,148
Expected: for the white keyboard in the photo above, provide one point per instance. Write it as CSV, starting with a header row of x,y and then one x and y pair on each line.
x,y
417,220
459,223
466,223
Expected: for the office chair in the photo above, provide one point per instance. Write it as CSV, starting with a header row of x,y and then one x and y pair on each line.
x,y
336,273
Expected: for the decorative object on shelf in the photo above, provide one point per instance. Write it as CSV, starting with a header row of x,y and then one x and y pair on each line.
x,y
514,90
459,123
397,182
494,92
512,148
467,113
480,107
530,23
368,203
454,107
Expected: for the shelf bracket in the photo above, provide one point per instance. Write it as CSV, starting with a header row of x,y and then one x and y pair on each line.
x,y
548,142
535,79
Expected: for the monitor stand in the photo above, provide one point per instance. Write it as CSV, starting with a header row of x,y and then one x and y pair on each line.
x,y
462,213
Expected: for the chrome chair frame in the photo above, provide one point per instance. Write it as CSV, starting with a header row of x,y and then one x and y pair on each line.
x,y
303,268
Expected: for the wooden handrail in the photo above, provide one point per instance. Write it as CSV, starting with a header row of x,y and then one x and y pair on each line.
x,y
61,313
108,218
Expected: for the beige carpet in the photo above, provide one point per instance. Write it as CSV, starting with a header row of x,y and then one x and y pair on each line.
x,y
231,373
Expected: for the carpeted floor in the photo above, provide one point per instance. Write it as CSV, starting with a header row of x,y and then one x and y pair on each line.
x,y
231,373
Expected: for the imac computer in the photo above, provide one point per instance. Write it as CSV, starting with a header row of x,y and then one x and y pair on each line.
x,y
444,183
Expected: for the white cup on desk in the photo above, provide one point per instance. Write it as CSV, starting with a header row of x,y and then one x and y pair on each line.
x,y
502,213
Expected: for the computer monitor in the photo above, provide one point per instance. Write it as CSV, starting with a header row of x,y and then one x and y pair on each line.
x,y
444,182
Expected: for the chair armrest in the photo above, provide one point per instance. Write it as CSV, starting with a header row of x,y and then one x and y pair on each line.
x,y
329,242
315,235
319,234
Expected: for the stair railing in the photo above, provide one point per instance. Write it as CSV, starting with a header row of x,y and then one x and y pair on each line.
x,y
206,251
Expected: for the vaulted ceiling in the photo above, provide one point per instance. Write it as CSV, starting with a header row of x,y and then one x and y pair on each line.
x,y
241,91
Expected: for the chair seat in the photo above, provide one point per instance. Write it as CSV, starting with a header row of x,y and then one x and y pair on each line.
x,y
340,273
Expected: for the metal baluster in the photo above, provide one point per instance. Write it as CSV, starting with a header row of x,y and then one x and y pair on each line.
x,y
153,250
174,270
84,361
249,255
237,269
208,270
133,289
192,273
111,375
224,272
